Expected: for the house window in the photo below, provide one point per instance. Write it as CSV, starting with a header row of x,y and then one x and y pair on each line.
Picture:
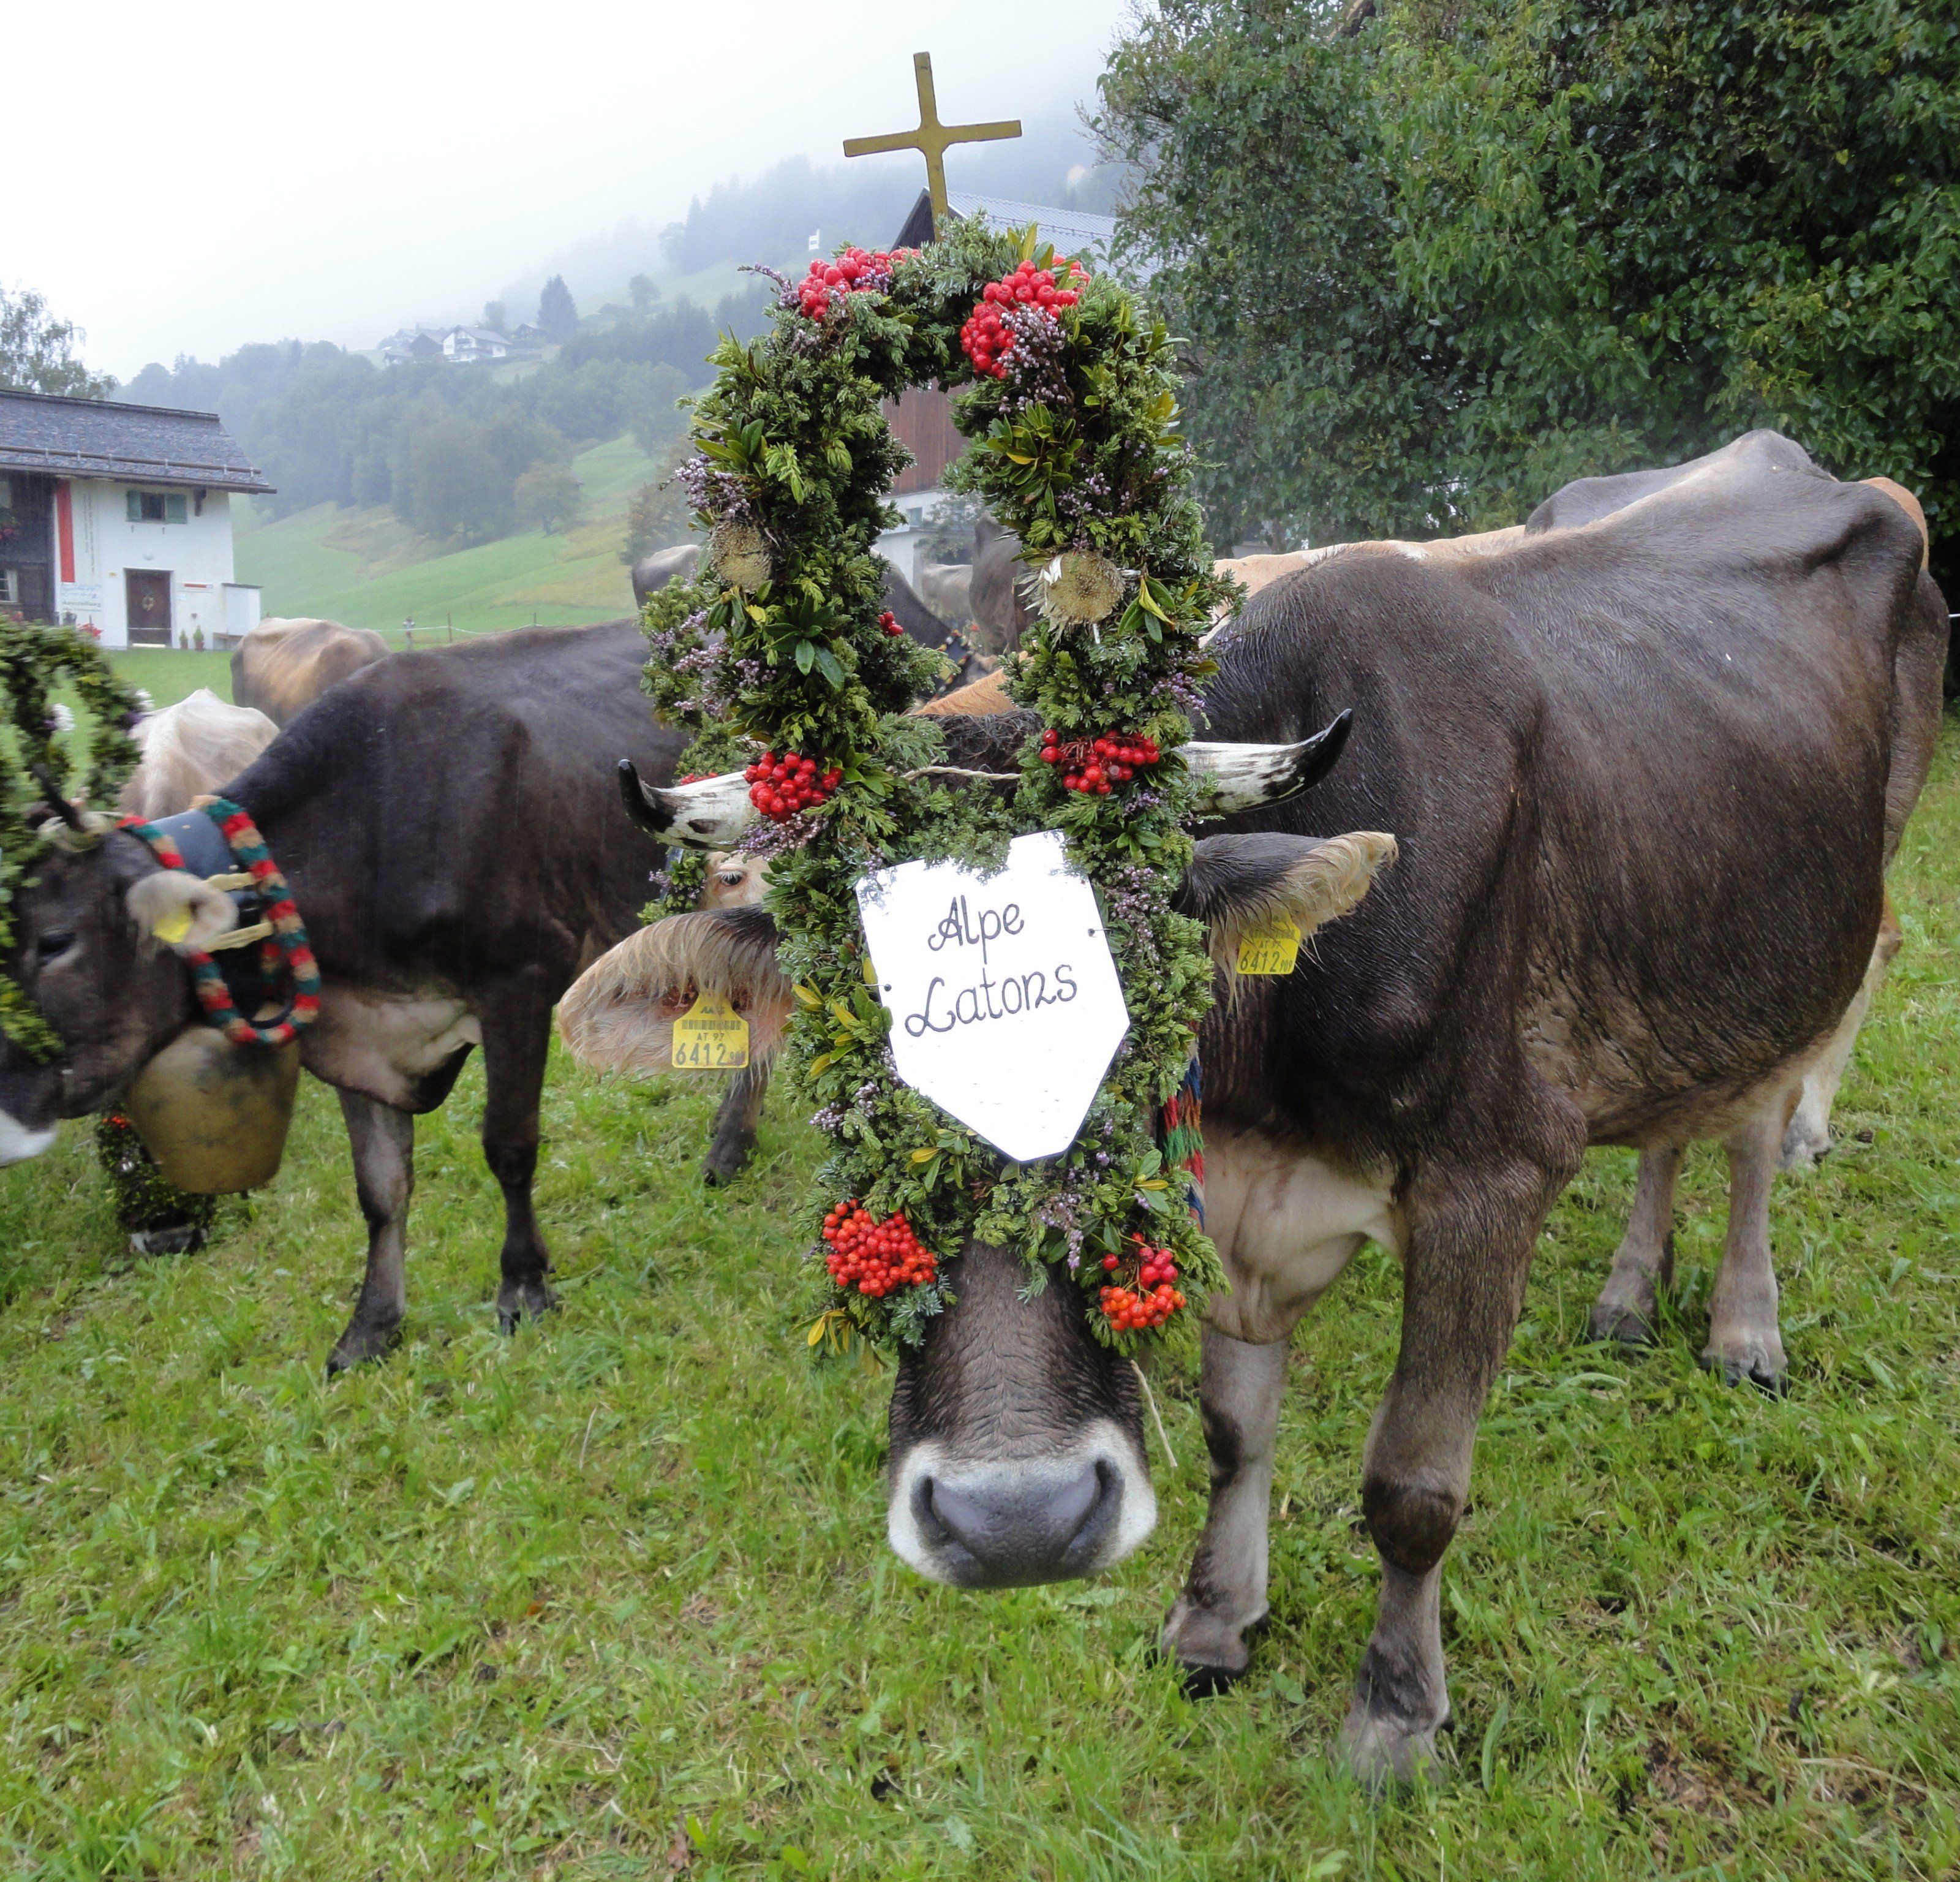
x,y
10,589
156,506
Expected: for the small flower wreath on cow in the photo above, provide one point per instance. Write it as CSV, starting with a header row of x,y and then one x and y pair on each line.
x,y
780,658
33,660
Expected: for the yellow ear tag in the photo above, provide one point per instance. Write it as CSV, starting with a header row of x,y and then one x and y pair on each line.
x,y
711,1036
1273,949
174,927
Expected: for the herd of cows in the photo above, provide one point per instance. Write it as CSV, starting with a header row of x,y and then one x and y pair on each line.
x,y
1643,759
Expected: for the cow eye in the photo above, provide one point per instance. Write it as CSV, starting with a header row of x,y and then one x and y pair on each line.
x,y
52,945
730,878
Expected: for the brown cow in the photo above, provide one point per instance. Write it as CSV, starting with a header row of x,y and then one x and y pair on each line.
x,y
281,665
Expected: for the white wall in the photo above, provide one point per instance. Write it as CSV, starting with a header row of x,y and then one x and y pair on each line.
x,y
197,552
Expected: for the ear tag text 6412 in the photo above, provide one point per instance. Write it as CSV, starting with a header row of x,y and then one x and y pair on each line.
x,y
1273,949
711,1036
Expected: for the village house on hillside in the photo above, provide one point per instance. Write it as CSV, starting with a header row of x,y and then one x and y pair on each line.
x,y
117,518
457,346
922,419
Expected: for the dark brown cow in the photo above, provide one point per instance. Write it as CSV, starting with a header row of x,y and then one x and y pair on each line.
x,y
1645,770
450,826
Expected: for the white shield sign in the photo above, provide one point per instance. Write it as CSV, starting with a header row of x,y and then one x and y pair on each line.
x,y
1006,1008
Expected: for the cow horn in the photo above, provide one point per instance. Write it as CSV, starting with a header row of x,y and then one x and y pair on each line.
x,y
711,813
1242,777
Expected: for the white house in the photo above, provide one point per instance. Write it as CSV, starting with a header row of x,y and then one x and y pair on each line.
x,y
118,517
465,345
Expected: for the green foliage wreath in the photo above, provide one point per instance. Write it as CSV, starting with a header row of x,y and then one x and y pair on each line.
x,y
779,645
33,763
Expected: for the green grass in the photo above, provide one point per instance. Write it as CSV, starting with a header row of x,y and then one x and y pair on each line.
x,y
611,1599
362,567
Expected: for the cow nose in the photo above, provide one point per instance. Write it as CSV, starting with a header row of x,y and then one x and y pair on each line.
x,y
1010,1530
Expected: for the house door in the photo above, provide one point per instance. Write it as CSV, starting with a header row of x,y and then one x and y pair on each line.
x,y
149,599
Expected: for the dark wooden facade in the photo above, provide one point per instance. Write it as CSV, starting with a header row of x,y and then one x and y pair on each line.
x,y
28,551
921,420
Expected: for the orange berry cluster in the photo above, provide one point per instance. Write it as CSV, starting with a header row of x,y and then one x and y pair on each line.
x,y
850,272
986,338
1093,766
779,787
875,1257
1154,1298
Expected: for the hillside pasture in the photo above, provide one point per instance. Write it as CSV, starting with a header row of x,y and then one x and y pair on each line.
x,y
611,1598
363,567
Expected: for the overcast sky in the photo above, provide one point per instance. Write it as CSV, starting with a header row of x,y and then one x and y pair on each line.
x,y
206,175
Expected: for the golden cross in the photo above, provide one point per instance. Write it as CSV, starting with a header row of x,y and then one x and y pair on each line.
x,y
932,138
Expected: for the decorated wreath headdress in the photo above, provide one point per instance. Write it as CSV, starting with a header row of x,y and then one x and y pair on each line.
x,y
779,657
34,765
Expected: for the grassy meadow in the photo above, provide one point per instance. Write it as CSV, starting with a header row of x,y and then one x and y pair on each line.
x,y
363,567
611,1599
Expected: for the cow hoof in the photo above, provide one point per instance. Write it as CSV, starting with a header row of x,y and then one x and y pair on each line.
x,y
1623,1326
725,1162
1803,1149
360,1343
518,1300
1767,1374
181,1238
1385,1753
1212,1654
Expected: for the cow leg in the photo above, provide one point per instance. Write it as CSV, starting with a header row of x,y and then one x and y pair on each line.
x,y
1644,1261
1470,1234
1224,1597
1807,1136
383,1142
517,1037
734,1140
1744,1340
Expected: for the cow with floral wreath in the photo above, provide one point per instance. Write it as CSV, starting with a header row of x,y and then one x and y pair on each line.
x,y
1644,769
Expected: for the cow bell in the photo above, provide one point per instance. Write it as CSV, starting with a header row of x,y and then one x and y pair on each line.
x,y
215,1114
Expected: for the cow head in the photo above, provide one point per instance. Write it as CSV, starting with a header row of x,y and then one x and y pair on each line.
x,y
97,932
1016,1444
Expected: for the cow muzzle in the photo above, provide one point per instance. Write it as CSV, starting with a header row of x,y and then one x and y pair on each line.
x,y
1012,1523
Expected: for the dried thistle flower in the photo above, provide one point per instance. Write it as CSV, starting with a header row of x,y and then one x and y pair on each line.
x,y
740,553
1080,587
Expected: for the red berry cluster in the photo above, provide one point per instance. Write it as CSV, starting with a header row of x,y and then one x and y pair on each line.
x,y
986,338
1092,765
781,787
1152,1300
850,272
889,623
875,1257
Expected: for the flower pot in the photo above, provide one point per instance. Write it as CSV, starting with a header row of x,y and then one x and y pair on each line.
x,y
214,1115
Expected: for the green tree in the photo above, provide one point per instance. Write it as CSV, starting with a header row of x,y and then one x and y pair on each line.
x,y
548,497
1434,267
557,313
37,351
446,481
644,290
494,316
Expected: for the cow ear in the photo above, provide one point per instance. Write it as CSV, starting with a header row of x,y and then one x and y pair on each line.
x,y
1238,886
619,1015
182,911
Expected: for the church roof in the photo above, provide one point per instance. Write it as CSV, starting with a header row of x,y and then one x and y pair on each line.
x,y
1073,232
140,444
